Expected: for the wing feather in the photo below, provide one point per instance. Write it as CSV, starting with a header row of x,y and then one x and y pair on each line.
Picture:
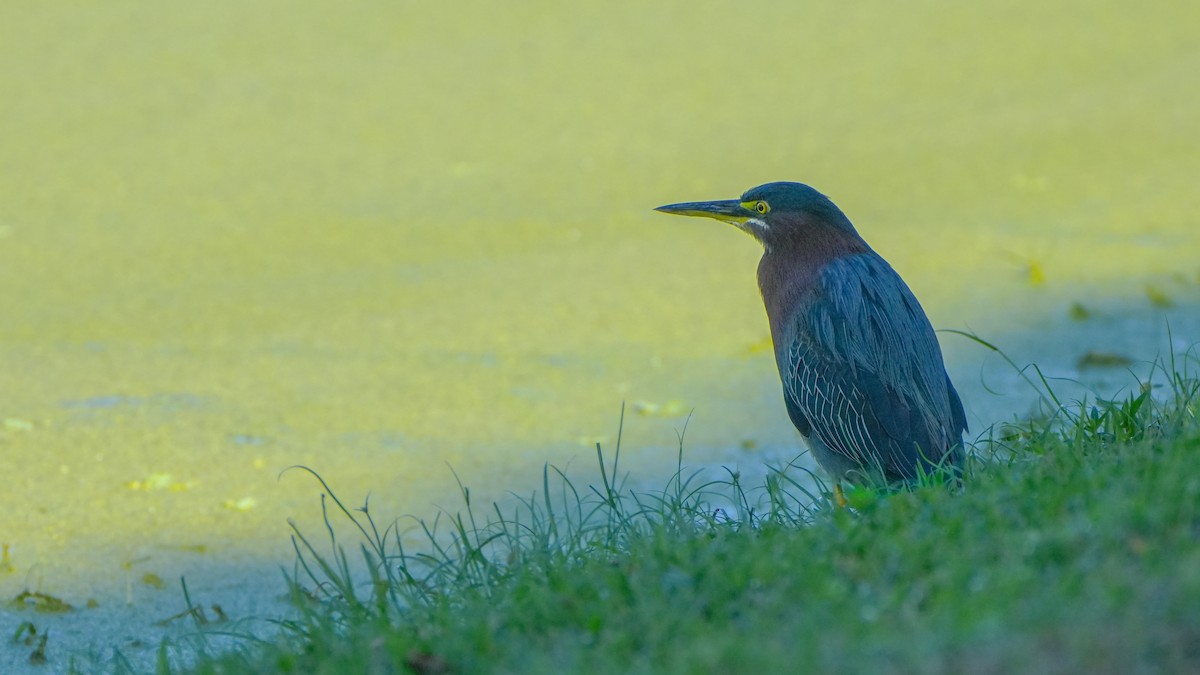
x,y
863,372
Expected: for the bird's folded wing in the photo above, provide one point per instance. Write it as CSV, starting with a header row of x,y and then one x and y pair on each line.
x,y
865,371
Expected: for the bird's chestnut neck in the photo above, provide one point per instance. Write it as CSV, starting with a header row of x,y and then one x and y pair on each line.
x,y
794,254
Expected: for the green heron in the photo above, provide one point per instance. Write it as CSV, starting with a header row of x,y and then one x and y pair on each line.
x,y
863,377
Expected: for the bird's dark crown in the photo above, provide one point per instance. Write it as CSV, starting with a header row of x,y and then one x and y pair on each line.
x,y
782,198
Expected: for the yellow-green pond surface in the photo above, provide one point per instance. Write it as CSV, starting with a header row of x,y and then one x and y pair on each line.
x,y
385,239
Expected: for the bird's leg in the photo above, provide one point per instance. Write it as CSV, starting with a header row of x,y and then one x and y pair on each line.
x,y
839,497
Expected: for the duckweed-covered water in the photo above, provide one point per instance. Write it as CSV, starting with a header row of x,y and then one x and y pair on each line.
x,y
386,239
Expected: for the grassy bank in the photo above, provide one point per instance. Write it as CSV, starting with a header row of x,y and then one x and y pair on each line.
x,y
1074,547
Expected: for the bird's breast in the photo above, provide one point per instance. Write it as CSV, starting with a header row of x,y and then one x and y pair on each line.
x,y
790,282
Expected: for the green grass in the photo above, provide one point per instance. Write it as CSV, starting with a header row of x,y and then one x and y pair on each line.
x,y
1074,547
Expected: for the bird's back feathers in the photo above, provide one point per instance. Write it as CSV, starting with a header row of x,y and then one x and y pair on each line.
x,y
862,371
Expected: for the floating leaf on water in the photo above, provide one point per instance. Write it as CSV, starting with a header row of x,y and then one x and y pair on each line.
x,y
128,564
17,424
157,481
40,602
243,504
1093,359
645,408
1158,297
672,408
761,345
1036,275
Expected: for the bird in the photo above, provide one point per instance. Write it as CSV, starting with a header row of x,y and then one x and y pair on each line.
x,y
864,381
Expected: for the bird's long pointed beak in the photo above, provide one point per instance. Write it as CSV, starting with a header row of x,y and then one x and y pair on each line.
x,y
728,210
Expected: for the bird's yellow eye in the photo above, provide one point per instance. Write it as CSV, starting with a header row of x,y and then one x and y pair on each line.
x,y
759,206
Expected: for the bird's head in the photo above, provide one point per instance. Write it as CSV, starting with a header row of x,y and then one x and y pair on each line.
x,y
775,214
